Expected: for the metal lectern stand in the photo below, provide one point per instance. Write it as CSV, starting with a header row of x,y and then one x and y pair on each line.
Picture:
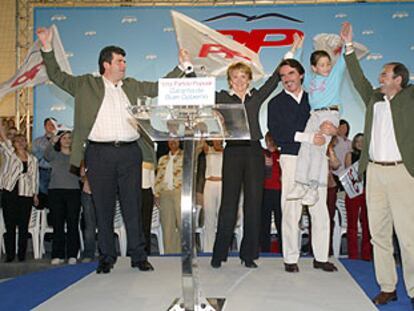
x,y
191,124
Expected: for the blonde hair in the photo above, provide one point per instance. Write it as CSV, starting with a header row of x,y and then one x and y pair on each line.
x,y
243,67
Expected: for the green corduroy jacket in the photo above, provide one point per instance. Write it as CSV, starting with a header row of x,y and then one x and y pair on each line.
x,y
402,110
88,92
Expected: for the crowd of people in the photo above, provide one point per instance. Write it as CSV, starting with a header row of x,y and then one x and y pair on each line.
x,y
307,151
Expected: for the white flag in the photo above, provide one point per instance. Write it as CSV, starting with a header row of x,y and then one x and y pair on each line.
x,y
212,52
33,72
332,43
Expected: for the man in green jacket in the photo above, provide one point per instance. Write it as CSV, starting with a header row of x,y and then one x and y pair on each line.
x,y
388,158
107,135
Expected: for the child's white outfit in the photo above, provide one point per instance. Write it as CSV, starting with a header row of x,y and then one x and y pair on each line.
x,y
312,165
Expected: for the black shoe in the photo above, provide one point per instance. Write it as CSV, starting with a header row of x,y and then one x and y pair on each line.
x,y
142,265
215,263
9,259
412,303
291,267
385,297
325,266
104,267
249,263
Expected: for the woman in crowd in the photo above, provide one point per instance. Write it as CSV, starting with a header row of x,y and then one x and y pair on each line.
x,y
168,196
212,190
243,166
356,209
342,147
272,191
64,200
20,188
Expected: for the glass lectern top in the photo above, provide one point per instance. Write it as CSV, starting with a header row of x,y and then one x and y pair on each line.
x,y
221,121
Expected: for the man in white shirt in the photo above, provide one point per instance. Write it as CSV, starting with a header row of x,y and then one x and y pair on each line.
x,y
106,136
388,158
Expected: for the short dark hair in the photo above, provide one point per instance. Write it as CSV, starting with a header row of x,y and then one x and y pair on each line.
x,y
106,55
292,63
317,55
343,121
48,119
400,71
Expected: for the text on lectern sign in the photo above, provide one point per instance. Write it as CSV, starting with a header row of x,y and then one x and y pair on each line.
x,y
186,92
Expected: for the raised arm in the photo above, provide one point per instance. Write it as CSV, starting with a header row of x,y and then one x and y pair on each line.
x,y
62,79
296,51
360,82
184,69
3,135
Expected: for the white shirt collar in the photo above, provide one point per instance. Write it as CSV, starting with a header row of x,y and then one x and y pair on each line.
x,y
110,84
232,92
298,97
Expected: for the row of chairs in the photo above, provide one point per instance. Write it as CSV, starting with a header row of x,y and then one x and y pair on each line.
x,y
39,227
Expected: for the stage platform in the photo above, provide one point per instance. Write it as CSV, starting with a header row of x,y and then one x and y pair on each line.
x,y
268,287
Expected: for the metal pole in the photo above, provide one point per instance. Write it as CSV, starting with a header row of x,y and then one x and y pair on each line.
x,y
188,255
17,96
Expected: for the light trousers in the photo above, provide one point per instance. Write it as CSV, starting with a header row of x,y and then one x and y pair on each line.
x,y
390,203
291,214
212,199
311,166
170,217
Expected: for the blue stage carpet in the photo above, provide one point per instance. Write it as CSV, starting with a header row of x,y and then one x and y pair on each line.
x,y
27,292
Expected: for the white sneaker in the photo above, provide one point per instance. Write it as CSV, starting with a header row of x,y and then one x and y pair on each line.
x,y
311,197
297,192
56,261
72,261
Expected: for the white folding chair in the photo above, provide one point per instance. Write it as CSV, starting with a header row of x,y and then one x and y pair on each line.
x,y
119,229
44,228
34,230
340,226
156,229
304,227
238,229
199,229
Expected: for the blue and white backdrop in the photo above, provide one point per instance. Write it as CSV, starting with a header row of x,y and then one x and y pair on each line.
x,y
147,35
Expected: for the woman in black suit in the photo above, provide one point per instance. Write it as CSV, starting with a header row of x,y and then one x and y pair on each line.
x,y
243,167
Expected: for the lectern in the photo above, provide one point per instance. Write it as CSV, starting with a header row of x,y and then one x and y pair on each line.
x,y
191,123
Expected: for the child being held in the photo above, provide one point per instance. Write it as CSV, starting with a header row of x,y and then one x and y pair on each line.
x,y
323,85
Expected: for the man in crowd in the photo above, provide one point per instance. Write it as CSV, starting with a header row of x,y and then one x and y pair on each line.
x,y
105,132
388,159
39,146
288,113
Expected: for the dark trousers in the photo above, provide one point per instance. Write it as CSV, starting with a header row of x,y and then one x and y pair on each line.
x,y
16,212
271,204
89,221
65,206
113,170
147,207
242,166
